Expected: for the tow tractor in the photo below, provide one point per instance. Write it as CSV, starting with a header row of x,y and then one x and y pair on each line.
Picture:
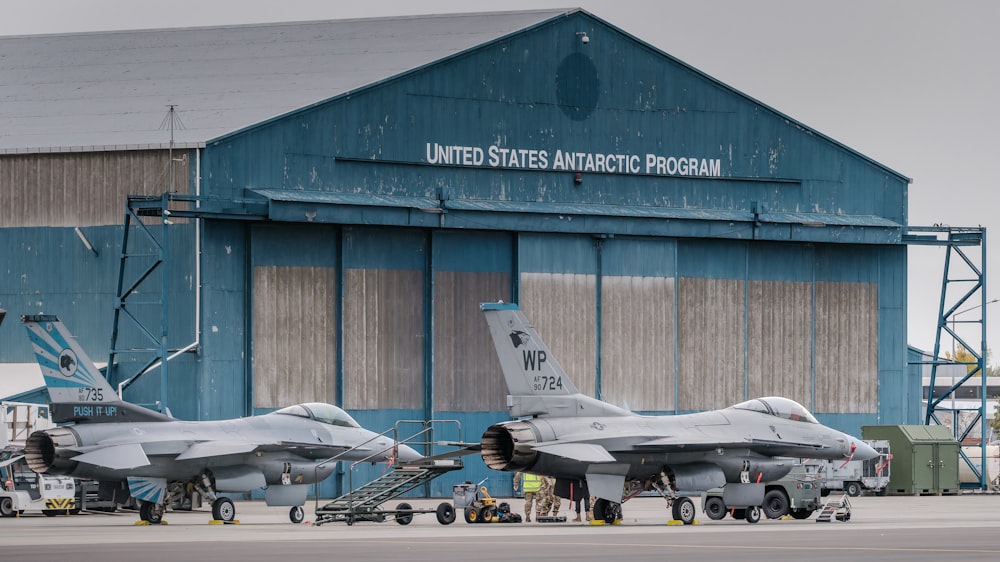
x,y
479,506
24,490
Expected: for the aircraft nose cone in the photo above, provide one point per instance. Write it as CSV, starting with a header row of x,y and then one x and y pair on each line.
x,y
406,453
862,451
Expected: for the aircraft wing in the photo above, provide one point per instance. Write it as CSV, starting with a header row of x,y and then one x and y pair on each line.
x,y
204,449
583,452
207,449
676,443
11,460
115,457
756,443
313,451
673,443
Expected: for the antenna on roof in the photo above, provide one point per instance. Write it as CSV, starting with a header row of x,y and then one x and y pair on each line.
x,y
172,121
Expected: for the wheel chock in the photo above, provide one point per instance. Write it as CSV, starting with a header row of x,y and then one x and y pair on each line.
x,y
221,522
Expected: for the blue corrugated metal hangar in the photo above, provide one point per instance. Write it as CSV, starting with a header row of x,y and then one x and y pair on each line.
x,y
318,209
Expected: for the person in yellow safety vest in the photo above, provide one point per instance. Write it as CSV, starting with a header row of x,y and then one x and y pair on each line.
x,y
532,485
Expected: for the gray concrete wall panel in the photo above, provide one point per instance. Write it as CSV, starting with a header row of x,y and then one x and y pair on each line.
x,y
846,347
711,343
561,307
383,338
82,188
637,342
294,335
467,377
779,340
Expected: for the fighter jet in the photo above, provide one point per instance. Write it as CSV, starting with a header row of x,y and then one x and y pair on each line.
x,y
155,458
573,437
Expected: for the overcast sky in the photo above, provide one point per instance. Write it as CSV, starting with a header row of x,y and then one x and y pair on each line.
x,y
910,84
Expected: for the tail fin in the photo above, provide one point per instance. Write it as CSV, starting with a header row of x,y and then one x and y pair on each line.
x,y
77,390
535,381
528,365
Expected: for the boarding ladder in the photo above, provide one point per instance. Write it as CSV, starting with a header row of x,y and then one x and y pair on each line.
x,y
839,509
362,503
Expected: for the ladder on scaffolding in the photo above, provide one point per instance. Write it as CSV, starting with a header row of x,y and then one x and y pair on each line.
x,y
839,509
363,503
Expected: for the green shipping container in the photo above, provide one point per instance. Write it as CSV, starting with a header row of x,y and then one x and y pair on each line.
x,y
924,458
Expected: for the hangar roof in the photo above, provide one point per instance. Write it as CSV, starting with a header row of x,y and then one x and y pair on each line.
x,y
111,90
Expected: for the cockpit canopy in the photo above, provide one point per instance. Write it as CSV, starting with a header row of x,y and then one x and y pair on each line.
x,y
324,413
779,407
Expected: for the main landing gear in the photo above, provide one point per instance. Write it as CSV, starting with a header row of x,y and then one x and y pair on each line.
x,y
151,513
223,510
682,509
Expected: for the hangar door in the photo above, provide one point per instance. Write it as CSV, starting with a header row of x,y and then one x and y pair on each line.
x,y
656,324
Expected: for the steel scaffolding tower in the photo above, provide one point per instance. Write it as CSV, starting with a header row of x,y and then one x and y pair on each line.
x,y
963,289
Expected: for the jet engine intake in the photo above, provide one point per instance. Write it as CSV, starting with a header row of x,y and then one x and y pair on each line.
x,y
40,450
503,446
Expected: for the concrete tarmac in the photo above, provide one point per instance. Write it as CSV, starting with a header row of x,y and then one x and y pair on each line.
x,y
925,528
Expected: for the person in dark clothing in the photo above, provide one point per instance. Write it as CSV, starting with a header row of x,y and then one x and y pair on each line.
x,y
581,495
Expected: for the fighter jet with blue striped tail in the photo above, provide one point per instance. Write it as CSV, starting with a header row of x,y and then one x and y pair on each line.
x,y
154,457
561,433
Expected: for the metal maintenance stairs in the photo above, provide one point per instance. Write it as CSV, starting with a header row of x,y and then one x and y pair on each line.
x,y
362,504
839,509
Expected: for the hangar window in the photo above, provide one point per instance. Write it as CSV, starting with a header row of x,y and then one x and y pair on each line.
x,y
324,413
779,407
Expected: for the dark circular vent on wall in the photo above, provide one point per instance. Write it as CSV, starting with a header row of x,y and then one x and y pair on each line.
x,y
577,86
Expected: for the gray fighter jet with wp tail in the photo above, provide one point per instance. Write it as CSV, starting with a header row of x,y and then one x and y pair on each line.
x,y
572,437
154,457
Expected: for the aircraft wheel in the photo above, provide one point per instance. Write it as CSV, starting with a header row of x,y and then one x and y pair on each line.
x,y
775,504
801,513
445,513
297,514
607,511
403,514
753,514
852,489
715,509
151,512
471,515
683,510
612,511
223,509
6,507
